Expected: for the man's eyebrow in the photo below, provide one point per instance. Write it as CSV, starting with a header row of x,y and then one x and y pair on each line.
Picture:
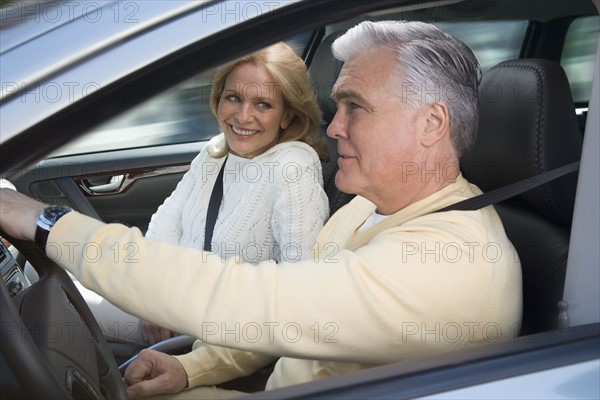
x,y
348,95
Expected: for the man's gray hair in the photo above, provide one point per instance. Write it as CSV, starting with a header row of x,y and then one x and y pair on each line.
x,y
433,66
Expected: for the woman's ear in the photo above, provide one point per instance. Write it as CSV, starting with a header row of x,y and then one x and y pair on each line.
x,y
287,119
437,124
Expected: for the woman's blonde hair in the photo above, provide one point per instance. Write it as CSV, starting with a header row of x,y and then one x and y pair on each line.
x,y
291,77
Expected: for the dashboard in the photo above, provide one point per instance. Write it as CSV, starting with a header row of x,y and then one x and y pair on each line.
x,y
12,274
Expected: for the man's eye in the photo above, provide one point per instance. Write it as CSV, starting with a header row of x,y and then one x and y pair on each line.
x,y
354,106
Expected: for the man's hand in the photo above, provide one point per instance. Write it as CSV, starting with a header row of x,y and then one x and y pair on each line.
x,y
154,373
153,333
18,214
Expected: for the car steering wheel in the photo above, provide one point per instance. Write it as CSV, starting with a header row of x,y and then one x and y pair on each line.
x,y
50,339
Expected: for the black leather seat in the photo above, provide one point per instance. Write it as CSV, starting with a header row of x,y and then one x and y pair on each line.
x,y
324,70
527,126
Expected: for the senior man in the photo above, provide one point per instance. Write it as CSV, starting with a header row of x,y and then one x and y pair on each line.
x,y
391,279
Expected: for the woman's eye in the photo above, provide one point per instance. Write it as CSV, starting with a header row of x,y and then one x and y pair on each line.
x,y
232,97
265,106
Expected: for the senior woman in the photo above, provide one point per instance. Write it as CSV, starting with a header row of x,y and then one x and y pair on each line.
x,y
264,171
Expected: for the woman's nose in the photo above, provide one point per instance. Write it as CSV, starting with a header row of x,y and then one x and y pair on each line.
x,y
244,113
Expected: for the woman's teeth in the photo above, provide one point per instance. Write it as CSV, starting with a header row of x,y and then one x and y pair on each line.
x,y
242,132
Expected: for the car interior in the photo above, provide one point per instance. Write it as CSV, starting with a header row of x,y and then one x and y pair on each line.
x,y
519,139
531,122
520,135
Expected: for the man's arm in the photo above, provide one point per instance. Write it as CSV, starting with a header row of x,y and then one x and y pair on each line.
x,y
314,309
18,214
208,365
311,309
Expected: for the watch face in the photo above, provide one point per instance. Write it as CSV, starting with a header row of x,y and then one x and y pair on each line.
x,y
53,213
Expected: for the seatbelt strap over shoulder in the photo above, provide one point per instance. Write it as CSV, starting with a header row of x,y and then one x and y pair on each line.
x,y
512,190
213,209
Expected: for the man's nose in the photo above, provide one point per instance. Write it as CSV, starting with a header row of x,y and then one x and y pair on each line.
x,y
338,128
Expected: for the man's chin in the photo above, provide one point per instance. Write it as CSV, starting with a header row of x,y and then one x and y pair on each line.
x,y
343,184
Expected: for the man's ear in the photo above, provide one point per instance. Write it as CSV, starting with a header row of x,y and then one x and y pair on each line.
x,y
437,124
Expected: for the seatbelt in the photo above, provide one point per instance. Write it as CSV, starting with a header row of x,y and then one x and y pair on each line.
x,y
508,191
213,209
474,203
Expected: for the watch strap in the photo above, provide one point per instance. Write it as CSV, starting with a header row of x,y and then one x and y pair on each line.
x,y
41,237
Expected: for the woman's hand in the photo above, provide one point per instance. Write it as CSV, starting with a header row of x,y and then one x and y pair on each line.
x,y
153,333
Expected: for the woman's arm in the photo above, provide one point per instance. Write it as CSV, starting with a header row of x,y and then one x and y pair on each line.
x,y
301,208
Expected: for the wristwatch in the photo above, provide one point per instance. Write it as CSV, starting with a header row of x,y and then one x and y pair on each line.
x,y
47,218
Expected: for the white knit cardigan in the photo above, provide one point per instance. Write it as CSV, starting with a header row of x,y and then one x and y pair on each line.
x,y
273,205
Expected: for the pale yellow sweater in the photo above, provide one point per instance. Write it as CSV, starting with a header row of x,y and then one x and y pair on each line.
x,y
413,285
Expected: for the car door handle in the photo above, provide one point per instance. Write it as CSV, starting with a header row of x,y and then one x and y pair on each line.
x,y
102,185
112,186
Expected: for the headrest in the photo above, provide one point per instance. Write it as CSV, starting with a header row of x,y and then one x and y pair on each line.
x,y
527,125
324,70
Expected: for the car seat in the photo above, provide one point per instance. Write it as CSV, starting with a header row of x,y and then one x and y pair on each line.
x,y
324,70
528,126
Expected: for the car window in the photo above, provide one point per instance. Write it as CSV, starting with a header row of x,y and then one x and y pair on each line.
x,y
180,115
579,55
492,42
499,41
